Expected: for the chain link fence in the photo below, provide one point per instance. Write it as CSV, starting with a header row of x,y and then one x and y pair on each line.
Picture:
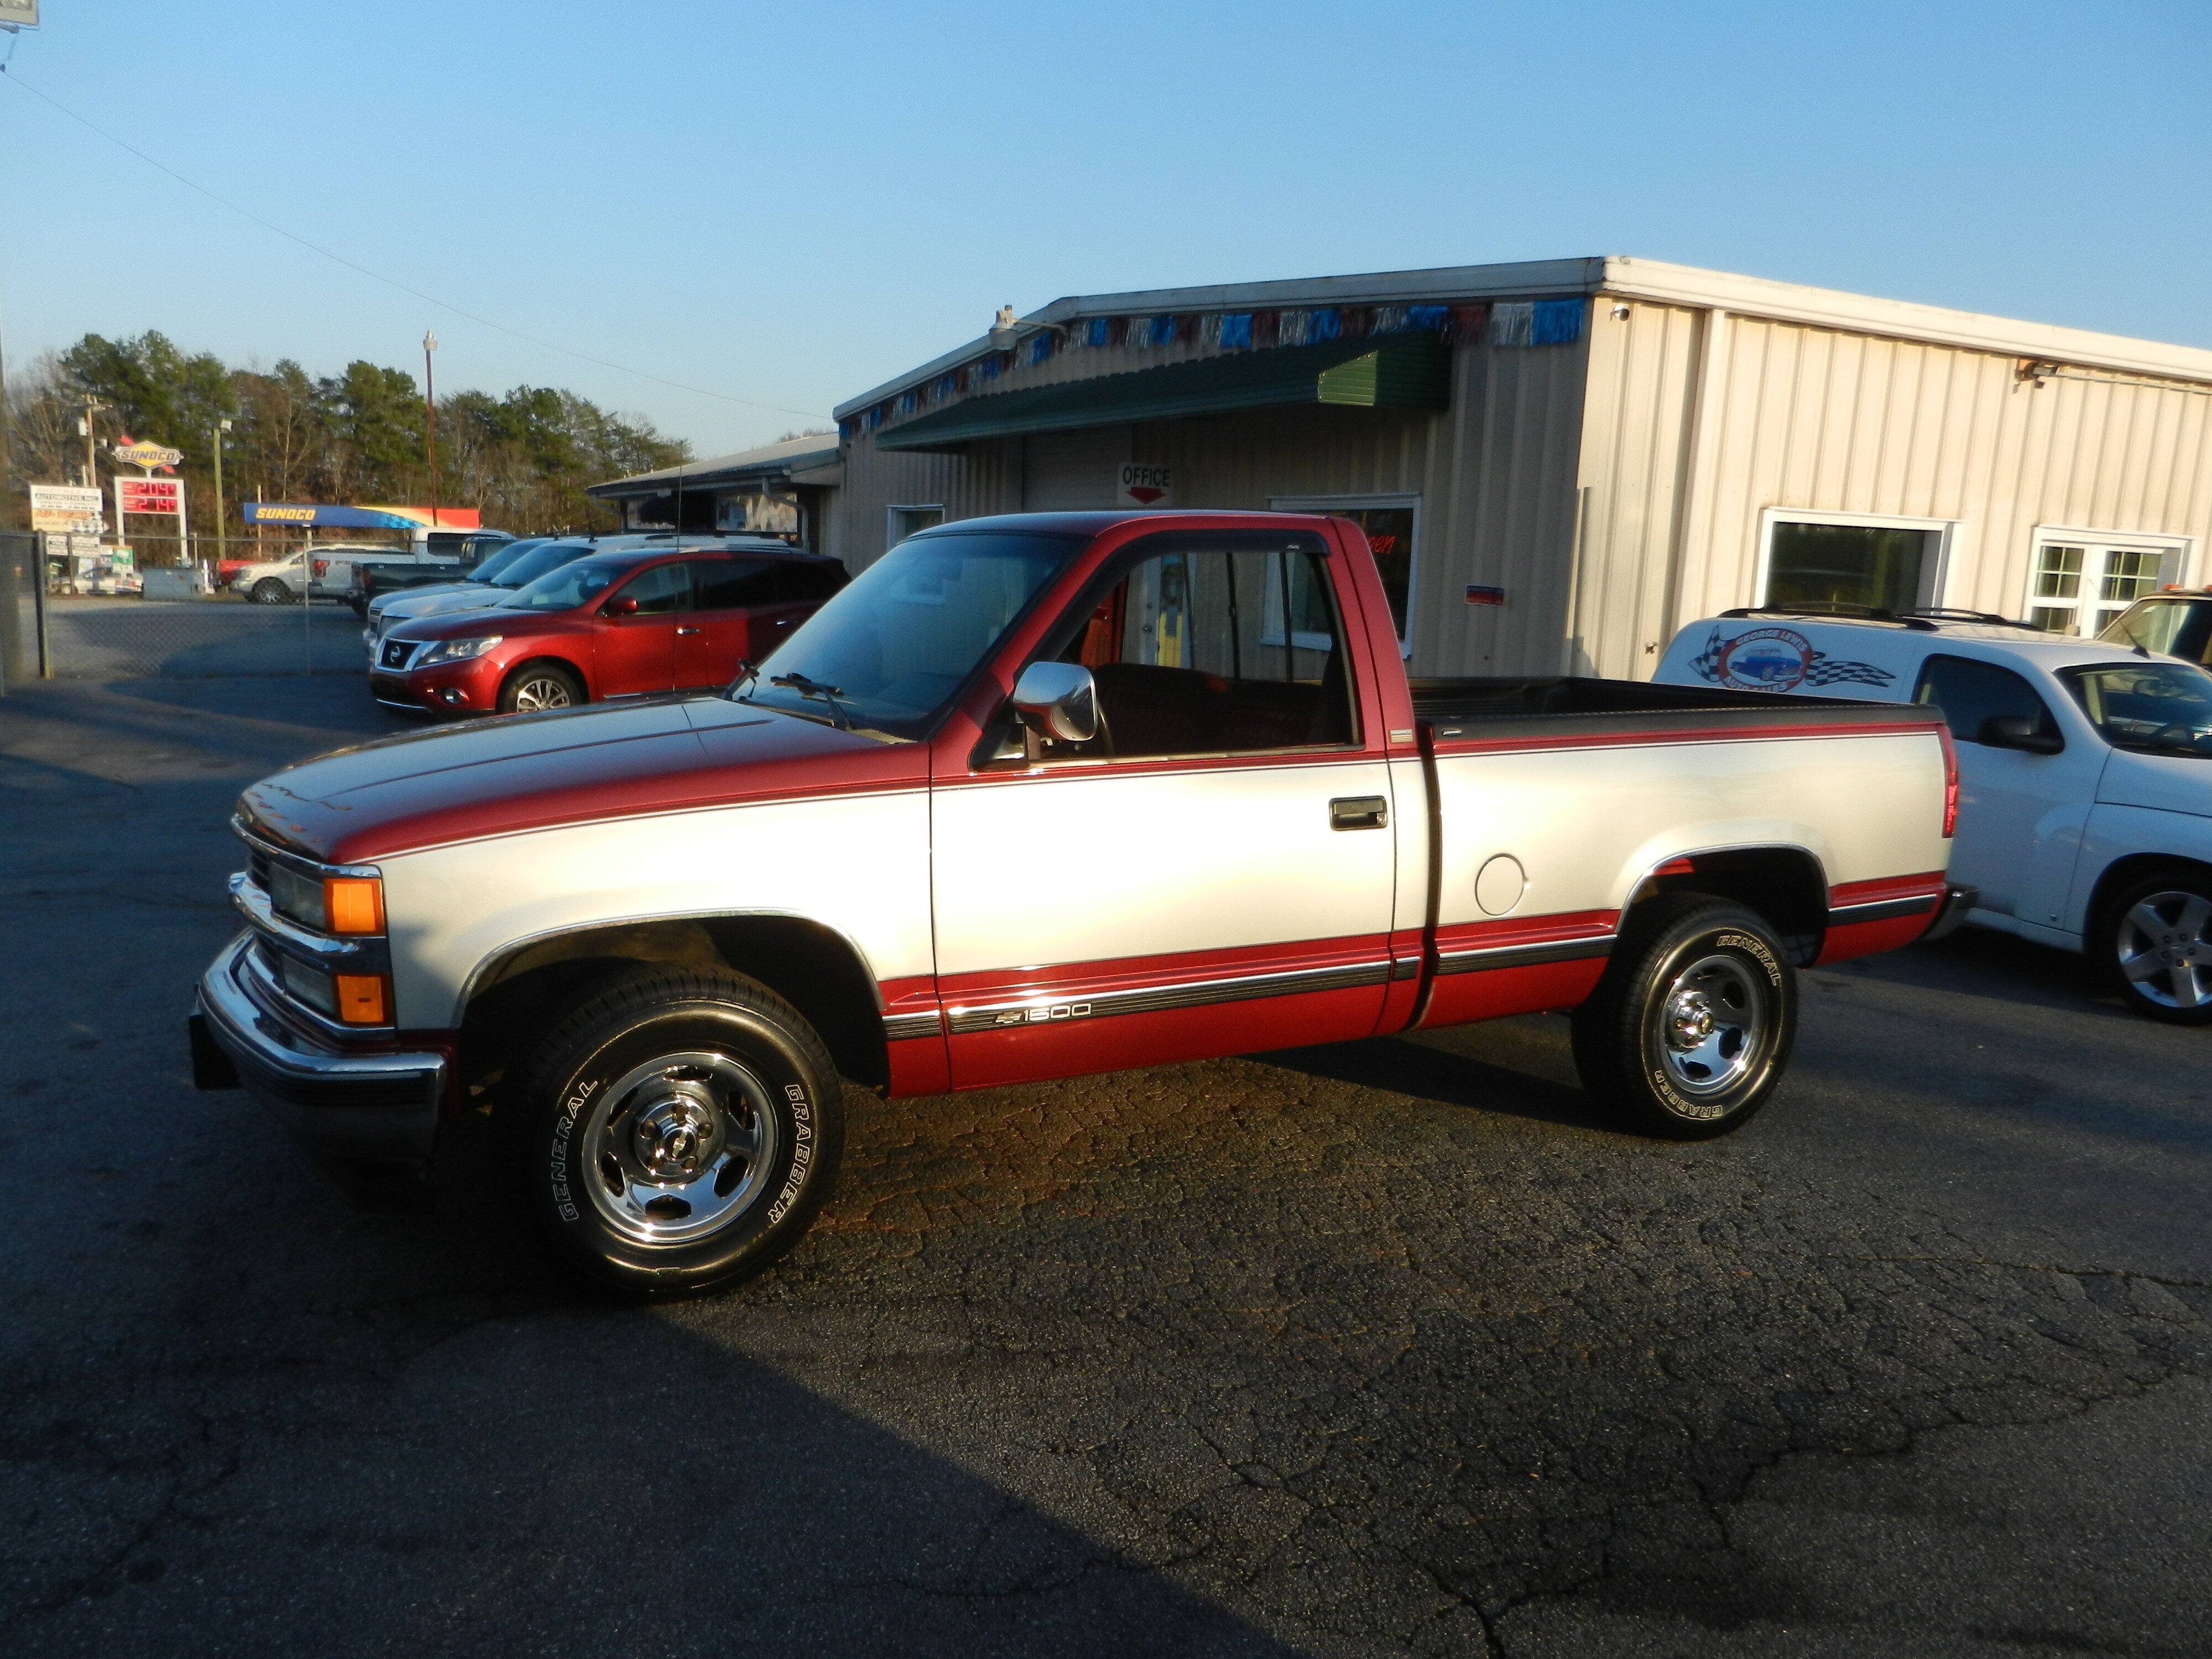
x,y
166,613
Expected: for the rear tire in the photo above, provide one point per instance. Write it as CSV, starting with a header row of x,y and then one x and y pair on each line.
x,y
270,591
538,686
676,1131
1688,1032
2156,945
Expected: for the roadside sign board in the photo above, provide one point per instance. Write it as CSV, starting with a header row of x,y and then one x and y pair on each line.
x,y
65,509
1146,486
19,13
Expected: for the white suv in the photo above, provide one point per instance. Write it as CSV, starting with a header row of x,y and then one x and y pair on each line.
x,y
2085,773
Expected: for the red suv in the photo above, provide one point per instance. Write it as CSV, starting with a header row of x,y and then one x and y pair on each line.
x,y
616,624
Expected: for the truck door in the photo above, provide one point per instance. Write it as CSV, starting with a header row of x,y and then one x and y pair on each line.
x,y
2020,814
633,643
1213,872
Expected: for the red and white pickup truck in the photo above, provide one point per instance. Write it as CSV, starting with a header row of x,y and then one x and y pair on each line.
x,y
1034,797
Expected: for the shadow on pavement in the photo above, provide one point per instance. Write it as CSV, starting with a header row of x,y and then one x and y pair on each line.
x,y
1498,1067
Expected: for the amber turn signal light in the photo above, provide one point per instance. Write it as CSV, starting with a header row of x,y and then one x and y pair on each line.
x,y
353,904
361,1000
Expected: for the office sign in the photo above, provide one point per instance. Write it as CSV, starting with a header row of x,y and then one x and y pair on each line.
x,y
64,510
1146,486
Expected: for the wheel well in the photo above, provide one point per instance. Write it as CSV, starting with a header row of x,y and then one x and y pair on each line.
x,y
2122,873
561,663
1784,884
806,965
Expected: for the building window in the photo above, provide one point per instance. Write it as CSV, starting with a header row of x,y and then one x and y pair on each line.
x,y
1392,526
1823,563
2078,583
901,522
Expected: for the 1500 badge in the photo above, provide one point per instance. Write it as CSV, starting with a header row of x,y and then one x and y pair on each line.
x,y
1039,1016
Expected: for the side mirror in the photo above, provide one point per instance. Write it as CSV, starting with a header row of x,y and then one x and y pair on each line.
x,y
619,607
2018,732
1058,700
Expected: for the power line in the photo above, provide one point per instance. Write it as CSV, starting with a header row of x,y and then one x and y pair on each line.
x,y
389,281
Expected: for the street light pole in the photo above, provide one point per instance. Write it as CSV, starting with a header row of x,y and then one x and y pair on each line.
x,y
430,423
221,552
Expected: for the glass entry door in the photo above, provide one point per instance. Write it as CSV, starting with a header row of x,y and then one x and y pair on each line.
x,y
2081,584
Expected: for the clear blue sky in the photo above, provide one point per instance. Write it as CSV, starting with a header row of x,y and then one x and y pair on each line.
x,y
788,204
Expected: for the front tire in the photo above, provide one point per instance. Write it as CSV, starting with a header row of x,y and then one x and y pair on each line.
x,y
538,686
676,1131
1688,1032
2156,943
270,591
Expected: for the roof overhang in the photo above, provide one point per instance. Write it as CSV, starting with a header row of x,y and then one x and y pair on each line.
x,y
1410,371
752,469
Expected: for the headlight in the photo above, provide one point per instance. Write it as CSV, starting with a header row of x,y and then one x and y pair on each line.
x,y
458,650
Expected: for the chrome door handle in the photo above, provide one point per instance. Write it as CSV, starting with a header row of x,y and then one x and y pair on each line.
x,y
687,630
1359,812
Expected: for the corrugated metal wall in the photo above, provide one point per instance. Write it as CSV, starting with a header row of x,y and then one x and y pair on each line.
x,y
1798,417
1495,472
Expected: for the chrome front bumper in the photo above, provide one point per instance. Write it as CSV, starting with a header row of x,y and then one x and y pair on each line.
x,y
340,1101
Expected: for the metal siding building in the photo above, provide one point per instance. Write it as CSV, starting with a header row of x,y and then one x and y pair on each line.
x,y
1702,440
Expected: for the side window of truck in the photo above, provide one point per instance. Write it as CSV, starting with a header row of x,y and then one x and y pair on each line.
x,y
1969,692
1216,650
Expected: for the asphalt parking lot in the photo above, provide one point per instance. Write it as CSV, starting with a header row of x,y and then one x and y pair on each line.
x,y
1390,1347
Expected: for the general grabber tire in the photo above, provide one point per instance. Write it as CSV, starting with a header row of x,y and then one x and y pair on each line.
x,y
675,1130
1687,1033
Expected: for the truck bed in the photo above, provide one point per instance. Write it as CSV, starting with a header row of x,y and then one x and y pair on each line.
x,y
1475,710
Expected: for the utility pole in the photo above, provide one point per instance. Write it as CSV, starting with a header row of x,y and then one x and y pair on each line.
x,y
220,551
92,406
430,423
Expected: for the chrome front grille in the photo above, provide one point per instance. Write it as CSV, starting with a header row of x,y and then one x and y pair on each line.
x,y
396,654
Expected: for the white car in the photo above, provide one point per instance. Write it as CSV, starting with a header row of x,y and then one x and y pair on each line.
x,y
2085,773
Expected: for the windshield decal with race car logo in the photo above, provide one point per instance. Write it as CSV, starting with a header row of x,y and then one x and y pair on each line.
x,y
1778,660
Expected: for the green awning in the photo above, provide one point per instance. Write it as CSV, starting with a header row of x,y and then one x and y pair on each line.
x,y
1411,371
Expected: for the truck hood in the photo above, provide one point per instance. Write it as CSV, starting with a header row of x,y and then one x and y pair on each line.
x,y
529,772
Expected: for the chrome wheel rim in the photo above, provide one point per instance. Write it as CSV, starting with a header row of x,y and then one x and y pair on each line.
x,y
539,692
2165,951
1711,1024
679,1147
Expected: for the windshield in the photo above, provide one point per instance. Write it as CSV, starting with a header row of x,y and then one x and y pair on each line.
x,y
569,586
548,556
509,552
2164,707
892,650
2151,624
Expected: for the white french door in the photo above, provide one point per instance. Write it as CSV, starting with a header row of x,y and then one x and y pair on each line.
x,y
2079,582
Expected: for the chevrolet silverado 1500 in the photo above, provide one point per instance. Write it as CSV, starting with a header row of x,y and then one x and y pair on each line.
x,y
1035,797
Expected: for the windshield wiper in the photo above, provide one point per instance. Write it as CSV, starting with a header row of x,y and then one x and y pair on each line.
x,y
807,688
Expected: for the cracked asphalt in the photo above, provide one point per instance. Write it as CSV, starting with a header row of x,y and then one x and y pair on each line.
x,y
1391,1347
